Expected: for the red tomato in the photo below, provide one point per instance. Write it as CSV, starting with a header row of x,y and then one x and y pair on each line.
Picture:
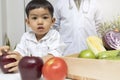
x,y
55,69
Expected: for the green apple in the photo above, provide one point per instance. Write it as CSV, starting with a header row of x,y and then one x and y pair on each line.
x,y
87,53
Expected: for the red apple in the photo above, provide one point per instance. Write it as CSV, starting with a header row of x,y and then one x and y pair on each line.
x,y
30,68
4,61
55,68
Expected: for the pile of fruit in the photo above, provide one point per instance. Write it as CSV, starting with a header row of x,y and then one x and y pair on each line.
x,y
32,67
106,47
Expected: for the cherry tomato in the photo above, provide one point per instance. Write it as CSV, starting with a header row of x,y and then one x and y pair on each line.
x,y
55,69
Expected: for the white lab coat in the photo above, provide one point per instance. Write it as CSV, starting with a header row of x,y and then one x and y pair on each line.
x,y
76,25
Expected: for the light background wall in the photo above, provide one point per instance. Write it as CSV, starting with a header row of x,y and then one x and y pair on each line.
x,y
110,8
0,23
12,17
3,19
15,20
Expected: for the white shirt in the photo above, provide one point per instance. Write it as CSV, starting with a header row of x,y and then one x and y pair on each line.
x,y
51,43
76,25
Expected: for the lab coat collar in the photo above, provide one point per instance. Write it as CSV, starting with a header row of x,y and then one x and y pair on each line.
x,y
84,3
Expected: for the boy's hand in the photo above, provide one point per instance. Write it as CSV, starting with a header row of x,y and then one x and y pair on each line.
x,y
4,48
14,65
45,58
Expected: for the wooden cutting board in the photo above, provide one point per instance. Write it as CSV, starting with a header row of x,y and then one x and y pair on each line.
x,y
92,69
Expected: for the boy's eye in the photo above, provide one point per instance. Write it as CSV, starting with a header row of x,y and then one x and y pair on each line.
x,y
34,17
45,17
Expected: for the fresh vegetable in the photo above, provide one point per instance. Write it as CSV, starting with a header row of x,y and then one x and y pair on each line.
x,y
109,54
108,25
87,54
111,40
55,69
95,44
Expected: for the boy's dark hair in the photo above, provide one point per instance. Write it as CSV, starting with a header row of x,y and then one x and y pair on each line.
x,y
39,4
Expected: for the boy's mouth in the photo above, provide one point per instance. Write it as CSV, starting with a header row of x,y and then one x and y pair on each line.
x,y
40,27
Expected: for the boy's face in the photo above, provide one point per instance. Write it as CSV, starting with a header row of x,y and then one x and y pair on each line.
x,y
40,21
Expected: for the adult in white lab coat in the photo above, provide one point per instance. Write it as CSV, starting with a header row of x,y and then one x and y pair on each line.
x,y
75,24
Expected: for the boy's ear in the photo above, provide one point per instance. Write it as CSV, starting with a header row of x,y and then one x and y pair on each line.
x,y
53,20
27,21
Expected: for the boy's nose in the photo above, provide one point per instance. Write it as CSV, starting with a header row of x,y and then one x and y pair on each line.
x,y
40,21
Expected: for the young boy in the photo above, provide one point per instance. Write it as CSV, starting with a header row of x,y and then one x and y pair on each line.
x,y
42,40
